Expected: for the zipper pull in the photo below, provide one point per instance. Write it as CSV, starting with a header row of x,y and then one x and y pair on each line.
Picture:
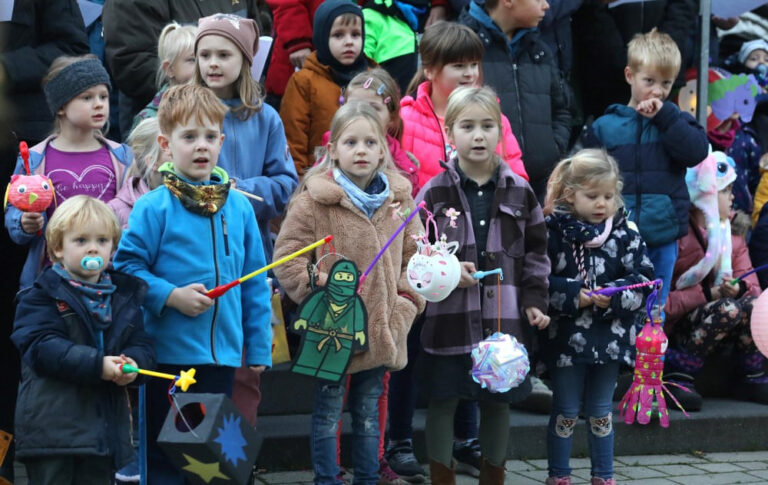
x,y
224,231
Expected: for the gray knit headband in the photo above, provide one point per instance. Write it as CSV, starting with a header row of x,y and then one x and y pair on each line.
x,y
73,80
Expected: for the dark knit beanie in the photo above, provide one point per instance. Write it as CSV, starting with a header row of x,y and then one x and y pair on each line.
x,y
73,80
242,31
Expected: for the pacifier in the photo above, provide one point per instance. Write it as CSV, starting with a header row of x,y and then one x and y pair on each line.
x,y
91,263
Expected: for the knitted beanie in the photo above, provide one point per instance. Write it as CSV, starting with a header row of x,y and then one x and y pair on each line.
x,y
73,80
243,32
748,47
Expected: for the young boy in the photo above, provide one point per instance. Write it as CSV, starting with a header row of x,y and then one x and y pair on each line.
x,y
653,142
74,328
519,66
186,237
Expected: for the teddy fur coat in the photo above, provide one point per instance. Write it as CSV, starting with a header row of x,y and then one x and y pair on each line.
x,y
324,208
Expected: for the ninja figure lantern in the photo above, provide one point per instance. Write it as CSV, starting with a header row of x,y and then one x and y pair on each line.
x,y
29,193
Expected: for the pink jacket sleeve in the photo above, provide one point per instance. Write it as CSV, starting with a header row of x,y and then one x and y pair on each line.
x,y
742,264
509,148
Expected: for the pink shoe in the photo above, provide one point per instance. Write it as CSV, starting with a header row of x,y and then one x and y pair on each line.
x,y
558,481
603,481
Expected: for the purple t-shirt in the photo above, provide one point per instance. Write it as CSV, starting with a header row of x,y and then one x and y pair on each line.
x,y
81,173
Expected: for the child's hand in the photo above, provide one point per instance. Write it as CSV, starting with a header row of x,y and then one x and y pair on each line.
x,y
764,161
258,368
601,301
537,318
110,367
31,222
584,298
727,290
649,107
190,300
467,268
123,379
297,57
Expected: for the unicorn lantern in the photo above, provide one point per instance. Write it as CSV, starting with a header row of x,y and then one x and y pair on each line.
x,y
434,272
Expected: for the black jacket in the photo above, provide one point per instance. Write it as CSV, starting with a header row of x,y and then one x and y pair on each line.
x,y
532,95
64,406
39,31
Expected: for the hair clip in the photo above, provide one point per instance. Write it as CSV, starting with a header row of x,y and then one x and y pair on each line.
x,y
341,100
387,100
381,89
367,83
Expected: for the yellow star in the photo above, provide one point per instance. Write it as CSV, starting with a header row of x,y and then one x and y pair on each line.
x,y
186,379
206,471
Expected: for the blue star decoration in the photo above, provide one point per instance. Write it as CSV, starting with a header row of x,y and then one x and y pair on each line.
x,y
231,439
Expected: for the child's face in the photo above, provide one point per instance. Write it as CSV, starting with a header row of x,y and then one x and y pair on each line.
x,y
183,68
369,96
475,134
358,152
526,14
220,62
594,203
453,75
89,110
194,148
755,58
91,240
724,202
346,41
647,83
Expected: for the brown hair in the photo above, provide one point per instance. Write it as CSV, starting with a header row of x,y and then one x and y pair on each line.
x,y
583,169
445,43
385,86
76,212
182,102
654,50
248,91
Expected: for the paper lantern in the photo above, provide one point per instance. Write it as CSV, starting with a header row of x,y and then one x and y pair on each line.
x,y
759,322
209,440
434,272
500,363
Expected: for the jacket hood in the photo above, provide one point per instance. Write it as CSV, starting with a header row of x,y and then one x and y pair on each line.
x,y
423,100
621,110
313,64
133,188
323,189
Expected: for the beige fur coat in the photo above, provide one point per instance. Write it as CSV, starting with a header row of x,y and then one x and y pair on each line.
x,y
323,208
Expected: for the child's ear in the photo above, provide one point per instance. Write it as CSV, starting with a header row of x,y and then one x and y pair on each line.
x,y
163,141
331,151
628,74
568,195
221,140
167,69
429,73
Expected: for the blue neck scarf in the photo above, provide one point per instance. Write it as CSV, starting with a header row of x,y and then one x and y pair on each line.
x,y
367,200
97,297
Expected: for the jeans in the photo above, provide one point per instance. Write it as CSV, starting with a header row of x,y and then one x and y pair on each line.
x,y
663,259
588,388
364,390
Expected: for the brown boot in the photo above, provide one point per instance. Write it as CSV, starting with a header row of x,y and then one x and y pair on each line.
x,y
441,474
491,474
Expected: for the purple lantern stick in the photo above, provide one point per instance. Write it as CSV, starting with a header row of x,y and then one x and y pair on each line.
x,y
759,268
389,241
612,290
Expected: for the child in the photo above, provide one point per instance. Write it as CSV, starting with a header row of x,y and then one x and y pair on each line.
x,y
142,176
76,157
190,235
753,55
520,67
176,53
450,57
355,192
500,226
73,329
591,246
653,142
312,94
254,152
705,309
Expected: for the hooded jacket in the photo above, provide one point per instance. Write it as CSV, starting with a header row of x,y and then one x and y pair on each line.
x,y
391,303
126,198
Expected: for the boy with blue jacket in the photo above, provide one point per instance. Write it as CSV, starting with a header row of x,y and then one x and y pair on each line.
x,y
188,236
653,142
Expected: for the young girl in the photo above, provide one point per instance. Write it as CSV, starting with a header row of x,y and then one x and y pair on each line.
x,y
176,53
142,176
255,153
312,94
353,194
76,157
450,57
590,246
500,225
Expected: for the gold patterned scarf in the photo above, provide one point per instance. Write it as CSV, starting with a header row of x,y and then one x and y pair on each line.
x,y
205,200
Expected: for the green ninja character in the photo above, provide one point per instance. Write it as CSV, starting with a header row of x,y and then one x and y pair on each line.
x,y
335,321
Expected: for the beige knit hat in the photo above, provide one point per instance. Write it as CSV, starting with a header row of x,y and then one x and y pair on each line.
x,y
243,32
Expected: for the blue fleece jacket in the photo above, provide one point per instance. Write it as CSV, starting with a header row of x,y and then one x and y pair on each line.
x,y
653,155
169,247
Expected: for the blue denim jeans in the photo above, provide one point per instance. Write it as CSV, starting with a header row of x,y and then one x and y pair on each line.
x,y
588,388
364,390
663,258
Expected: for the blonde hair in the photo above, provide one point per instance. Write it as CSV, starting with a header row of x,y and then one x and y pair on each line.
x,y
174,40
76,212
345,116
584,169
182,102
56,67
146,149
248,90
386,87
445,43
654,50
464,97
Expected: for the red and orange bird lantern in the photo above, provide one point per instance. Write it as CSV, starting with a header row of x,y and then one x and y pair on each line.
x,y
28,192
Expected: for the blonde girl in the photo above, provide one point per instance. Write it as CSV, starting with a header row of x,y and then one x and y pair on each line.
x,y
355,191
176,53
254,153
142,176
450,55
76,157
590,246
500,225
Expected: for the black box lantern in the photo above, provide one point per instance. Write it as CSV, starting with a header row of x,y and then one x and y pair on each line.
x,y
209,440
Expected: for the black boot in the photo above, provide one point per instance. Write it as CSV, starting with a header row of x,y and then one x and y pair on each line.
x,y
691,401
